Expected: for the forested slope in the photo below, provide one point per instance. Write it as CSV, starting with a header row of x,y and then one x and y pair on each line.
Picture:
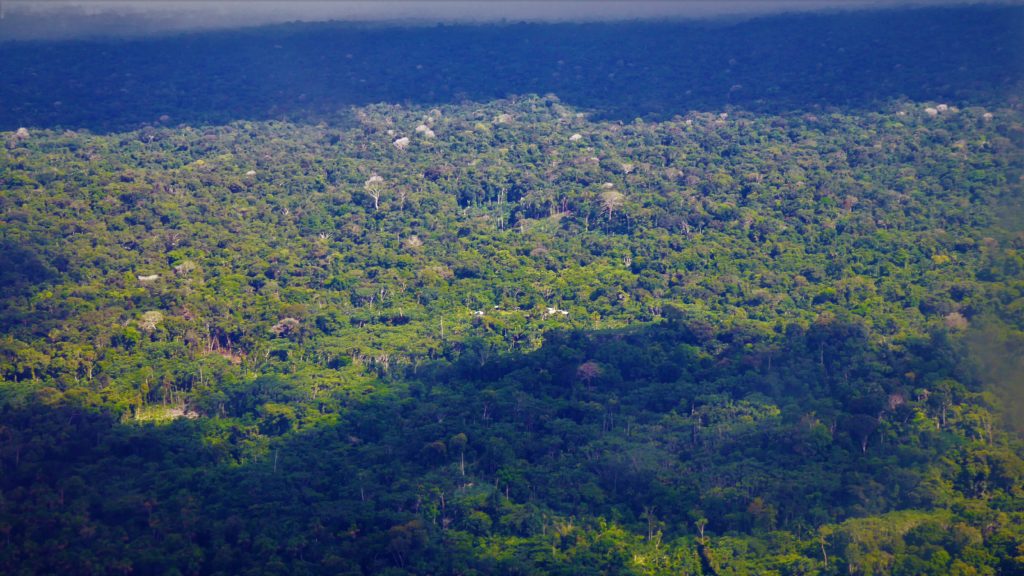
x,y
516,336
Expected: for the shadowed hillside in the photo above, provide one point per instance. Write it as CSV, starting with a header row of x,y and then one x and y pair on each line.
x,y
969,56
690,448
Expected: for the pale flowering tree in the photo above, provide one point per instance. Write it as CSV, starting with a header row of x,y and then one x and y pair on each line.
x,y
588,372
286,327
150,320
375,186
611,200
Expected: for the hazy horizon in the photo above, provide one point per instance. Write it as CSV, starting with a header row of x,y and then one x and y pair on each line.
x,y
57,19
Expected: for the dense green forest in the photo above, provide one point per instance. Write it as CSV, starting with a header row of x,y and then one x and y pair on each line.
x,y
515,335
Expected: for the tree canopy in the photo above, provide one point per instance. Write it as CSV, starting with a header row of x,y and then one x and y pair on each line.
x,y
733,339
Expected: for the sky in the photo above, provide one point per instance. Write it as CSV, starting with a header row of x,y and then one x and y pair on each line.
x,y
23,19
